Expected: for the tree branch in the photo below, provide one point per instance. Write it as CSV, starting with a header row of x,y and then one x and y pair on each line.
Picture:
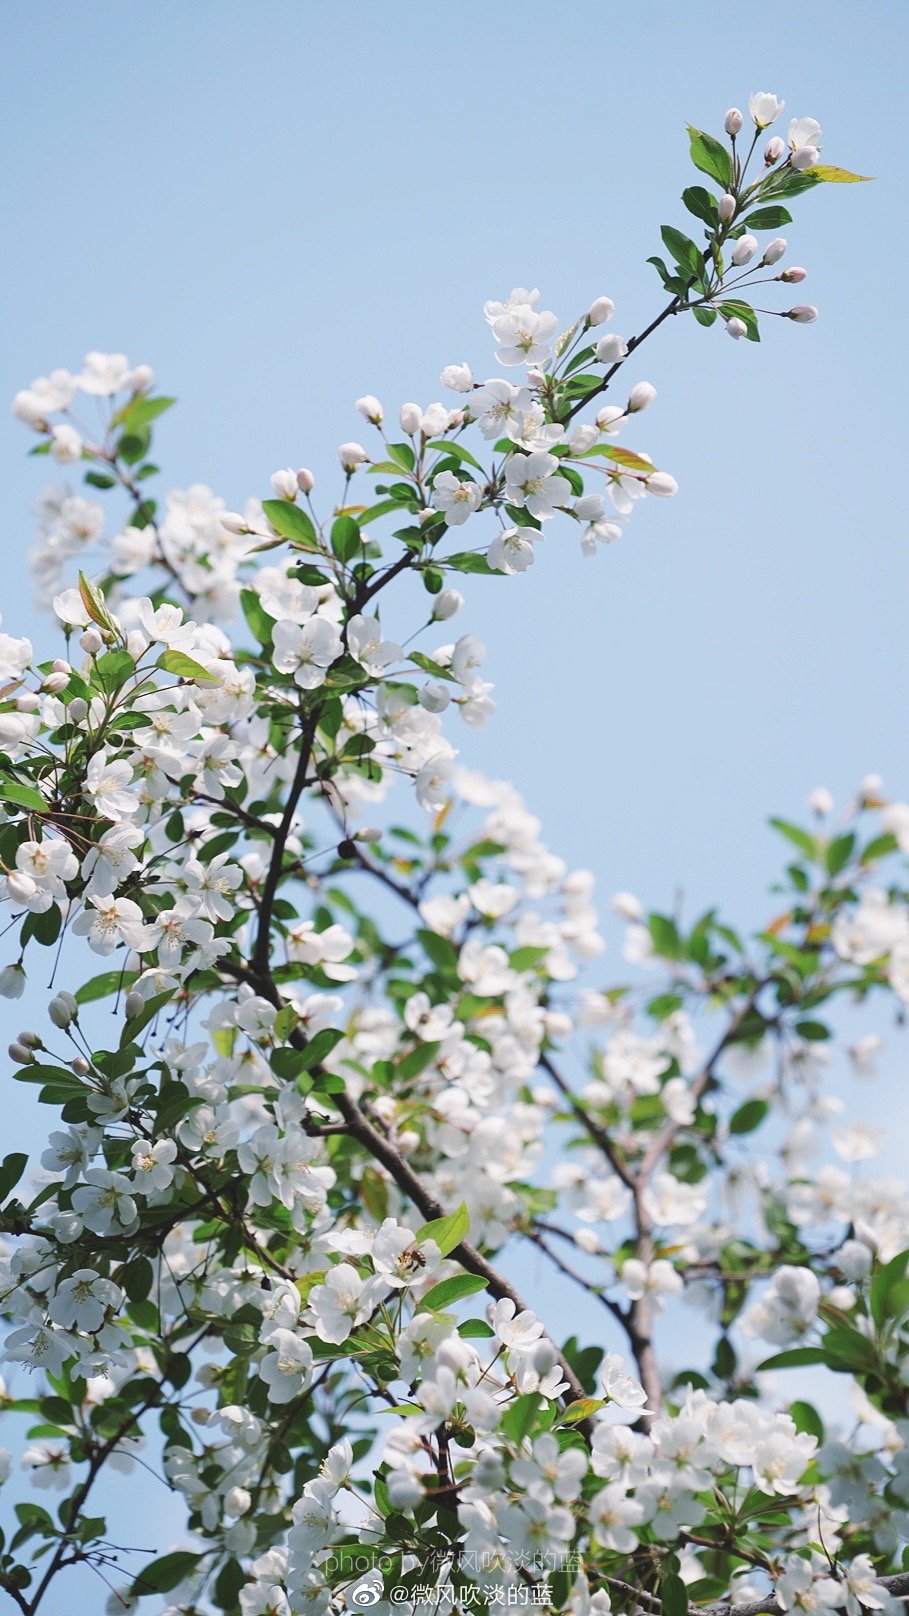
x,y
262,948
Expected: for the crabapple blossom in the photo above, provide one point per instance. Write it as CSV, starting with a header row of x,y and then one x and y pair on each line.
x,y
375,1199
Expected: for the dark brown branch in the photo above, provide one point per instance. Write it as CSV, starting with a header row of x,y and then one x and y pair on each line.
x,y
262,949
597,1134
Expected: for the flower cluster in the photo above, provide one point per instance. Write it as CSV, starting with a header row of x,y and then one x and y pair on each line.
x,y
274,1225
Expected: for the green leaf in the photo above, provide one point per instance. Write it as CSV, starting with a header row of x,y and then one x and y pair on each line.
x,y
839,852
401,455
134,446
11,1169
527,958
793,1358
434,668
100,987
185,667
45,928
622,457
837,176
291,523
583,1408
748,1116
669,281
447,1232
384,508
674,1596
887,1276
788,182
683,249
699,202
456,450
346,538
318,1048
160,1576
520,1417
807,1418
799,838
93,601
440,950
256,616
113,669
814,1031
710,157
141,411
416,1061
665,936
452,1290
879,847
23,796
137,1024
848,1352
475,1330
470,561
771,218
705,316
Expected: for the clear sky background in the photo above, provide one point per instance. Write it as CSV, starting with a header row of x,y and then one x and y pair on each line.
x,y
282,205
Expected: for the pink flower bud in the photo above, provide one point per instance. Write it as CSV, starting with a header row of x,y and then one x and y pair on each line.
x,y
744,250
611,350
601,310
91,641
28,702
368,833
733,121
12,982
305,480
410,417
642,394
609,417
234,522
774,250
774,150
434,696
446,604
80,1066
54,683
352,455
660,482
63,1010
458,377
802,314
794,274
18,1053
726,207
60,665
77,710
284,484
370,409
736,328
135,1004
821,802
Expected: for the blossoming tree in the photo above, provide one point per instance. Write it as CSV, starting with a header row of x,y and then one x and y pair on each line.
x,y
352,1070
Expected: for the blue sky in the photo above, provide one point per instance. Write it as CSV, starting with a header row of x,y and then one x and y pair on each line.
x,y
280,208
283,205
